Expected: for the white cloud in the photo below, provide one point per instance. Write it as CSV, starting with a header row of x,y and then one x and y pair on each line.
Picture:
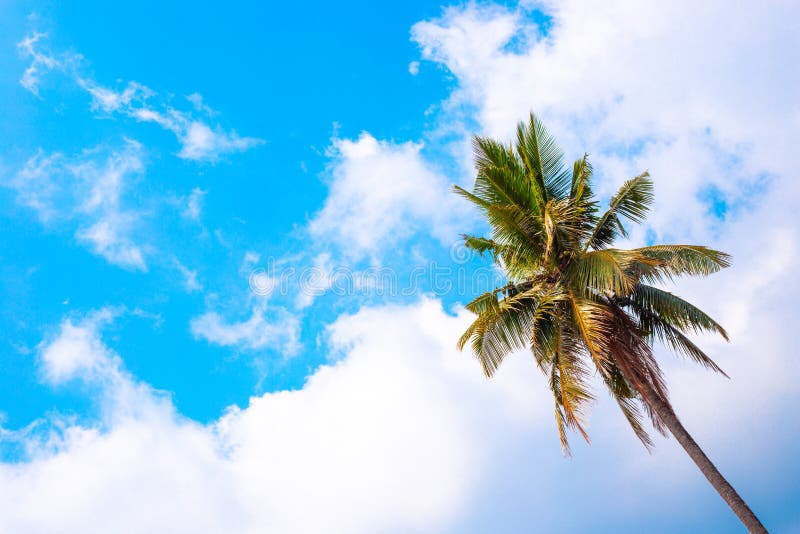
x,y
87,190
196,100
194,204
107,238
79,351
261,283
316,280
42,62
35,187
382,193
413,68
351,445
398,433
108,100
279,333
200,140
250,259
190,281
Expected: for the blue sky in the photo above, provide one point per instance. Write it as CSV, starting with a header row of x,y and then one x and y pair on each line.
x,y
295,89
231,274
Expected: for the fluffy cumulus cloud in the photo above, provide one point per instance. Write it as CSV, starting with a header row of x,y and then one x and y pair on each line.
x,y
87,191
398,433
90,475
200,138
381,194
388,437
78,351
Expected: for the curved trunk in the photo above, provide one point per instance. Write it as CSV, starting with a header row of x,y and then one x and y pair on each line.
x,y
723,487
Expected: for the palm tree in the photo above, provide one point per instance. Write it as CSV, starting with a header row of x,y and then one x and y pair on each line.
x,y
575,301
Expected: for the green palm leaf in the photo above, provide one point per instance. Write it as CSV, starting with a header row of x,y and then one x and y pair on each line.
x,y
677,260
501,178
502,326
627,400
632,201
674,310
543,160
580,185
603,271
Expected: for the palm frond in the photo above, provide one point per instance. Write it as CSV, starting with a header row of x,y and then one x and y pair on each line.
x,y
561,419
544,340
512,225
580,186
501,178
593,325
481,203
603,271
543,160
634,357
564,221
481,245
517,234
674,310
502,326
677,260
518,261
568,379
681,344
627,399
633,414
664,317
632,201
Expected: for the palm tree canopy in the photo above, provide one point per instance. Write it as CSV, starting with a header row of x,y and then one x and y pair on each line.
x,y
571,298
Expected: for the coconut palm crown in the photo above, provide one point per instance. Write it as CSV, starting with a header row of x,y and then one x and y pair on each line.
x,y
572,298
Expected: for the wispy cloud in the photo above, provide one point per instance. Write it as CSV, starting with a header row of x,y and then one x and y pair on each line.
x,y
194,204
190,277
279,332
87,190
41,62
200,139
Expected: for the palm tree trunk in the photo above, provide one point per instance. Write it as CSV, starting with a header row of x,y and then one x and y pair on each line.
x,y
723,487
